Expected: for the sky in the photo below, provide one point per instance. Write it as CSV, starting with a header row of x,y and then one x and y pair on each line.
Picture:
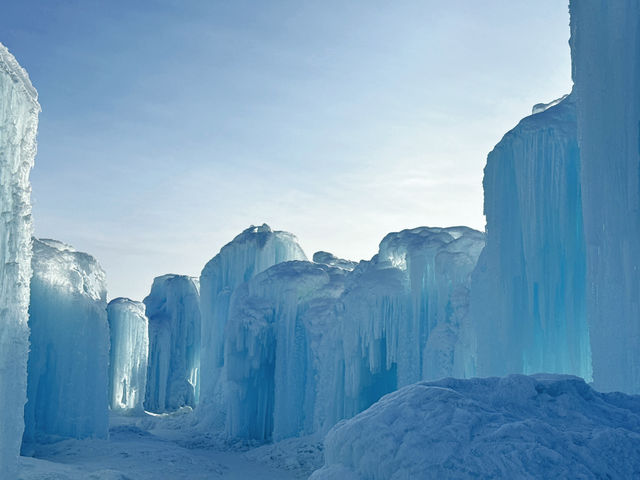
x,y
169,126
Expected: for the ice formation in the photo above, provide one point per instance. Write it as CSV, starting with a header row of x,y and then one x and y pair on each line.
x,y
129,333
541,107
541,426
274,343
528,293
606,61
332,261
251,252
69,358
173,379
438,262
308,344
19,110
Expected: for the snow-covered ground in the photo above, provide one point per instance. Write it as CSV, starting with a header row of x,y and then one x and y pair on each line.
x,y
156,447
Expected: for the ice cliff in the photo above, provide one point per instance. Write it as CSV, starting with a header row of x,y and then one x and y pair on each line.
x,y
129,352
528,292
606,72
69,358
174,343
19,111
251,252
529,427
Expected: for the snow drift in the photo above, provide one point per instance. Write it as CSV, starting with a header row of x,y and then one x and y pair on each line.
x,y
19,110
541,426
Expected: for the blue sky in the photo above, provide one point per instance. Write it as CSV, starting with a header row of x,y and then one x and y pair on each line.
x,y
169,126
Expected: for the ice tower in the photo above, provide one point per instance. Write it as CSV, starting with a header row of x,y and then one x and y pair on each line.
x,y
19,111
129,333
69,358
606,71
528,291
251,252
174,343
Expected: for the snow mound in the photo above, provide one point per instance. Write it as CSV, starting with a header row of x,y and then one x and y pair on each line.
x,y
298,455
540,426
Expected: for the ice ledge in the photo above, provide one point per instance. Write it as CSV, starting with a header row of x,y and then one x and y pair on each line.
x,y
541,107
19,75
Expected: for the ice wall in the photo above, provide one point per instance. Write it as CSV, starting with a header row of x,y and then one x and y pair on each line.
x,y
308,344
174,343
129,333
276,349
528,293
435,341
251,252
69,359
606,72
19,110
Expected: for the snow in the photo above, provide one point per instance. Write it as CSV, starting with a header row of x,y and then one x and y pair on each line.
x,y
528,291
19,111
606,60
129,352
68,362
251,252
173,310
150,447
541,426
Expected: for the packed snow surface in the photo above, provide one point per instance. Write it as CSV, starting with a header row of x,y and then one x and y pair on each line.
x,y
128,355
19,110
149,447
528,291
173,310
69,358
526,427
606,71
